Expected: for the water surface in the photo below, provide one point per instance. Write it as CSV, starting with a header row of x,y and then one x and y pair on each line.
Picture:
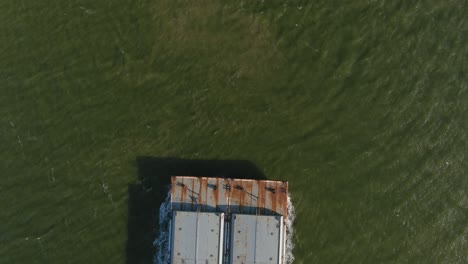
x,y
361,105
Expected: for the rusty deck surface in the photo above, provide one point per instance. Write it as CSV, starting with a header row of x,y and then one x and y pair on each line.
x,y
262,197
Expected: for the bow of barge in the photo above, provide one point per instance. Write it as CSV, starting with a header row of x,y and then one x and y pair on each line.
x,y
220,220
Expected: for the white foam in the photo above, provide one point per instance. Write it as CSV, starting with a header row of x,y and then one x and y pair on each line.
x,y
163,255
289,257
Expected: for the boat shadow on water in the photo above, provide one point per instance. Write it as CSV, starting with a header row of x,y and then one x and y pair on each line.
x,y
146,196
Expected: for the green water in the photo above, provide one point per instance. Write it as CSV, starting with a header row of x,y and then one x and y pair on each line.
x,y
361,105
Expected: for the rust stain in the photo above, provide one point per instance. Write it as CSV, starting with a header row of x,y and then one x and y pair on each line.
x,y
237,195
173,188
261,196
244,196
284,199
227,191
248,194
215,194
173,179
272,197
183,193
192,195
201,186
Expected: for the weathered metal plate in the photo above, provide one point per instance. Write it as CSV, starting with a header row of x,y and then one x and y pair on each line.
x,y
197,238
204,194
256,239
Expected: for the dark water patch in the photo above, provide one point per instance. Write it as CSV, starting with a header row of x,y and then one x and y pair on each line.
x,y
146,197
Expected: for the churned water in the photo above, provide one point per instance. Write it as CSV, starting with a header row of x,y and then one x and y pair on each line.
x,y
361,105
162,242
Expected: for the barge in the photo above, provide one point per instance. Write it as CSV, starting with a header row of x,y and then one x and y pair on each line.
x,y
228,221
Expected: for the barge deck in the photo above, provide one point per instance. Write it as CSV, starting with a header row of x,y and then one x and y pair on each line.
x,y
228,221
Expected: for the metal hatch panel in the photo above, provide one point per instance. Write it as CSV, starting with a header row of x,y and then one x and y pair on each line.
x,y
197,237
256,239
